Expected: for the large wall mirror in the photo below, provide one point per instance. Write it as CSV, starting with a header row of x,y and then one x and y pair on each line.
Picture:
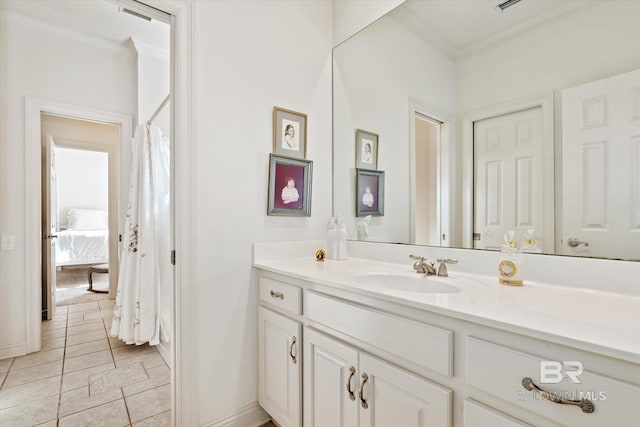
x,y
489,121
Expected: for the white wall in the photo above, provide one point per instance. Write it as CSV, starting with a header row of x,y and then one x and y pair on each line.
x,y
37,61
351,16
153,80
83,181
365,97
251,56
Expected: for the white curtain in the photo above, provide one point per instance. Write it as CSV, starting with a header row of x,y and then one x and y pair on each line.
x,y
141,312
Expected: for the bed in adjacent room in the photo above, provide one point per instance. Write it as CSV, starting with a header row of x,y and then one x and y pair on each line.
x,y
85,240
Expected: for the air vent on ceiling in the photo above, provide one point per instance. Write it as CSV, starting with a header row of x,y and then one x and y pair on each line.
x,y
134,13
507,4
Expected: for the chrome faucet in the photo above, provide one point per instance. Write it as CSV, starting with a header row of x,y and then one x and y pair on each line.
x,y
422,266
442,267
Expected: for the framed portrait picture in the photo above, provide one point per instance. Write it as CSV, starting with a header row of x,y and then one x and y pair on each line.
x,y
289,186
369,192
366,149
289,133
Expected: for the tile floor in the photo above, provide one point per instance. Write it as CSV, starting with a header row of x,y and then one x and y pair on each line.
x,y
81,377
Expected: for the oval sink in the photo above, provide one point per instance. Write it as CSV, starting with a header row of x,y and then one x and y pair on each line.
x,y
406,282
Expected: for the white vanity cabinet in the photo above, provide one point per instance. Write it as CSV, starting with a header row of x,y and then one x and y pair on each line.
x,y
344,387
279,352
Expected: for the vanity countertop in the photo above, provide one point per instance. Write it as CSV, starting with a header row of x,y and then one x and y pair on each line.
x,y
603,322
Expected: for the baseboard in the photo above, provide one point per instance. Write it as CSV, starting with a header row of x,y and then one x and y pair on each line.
x,y
164,349
250,416
13,350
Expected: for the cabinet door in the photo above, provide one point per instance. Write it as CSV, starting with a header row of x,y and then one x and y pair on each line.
x,y
330,382
394,397
478,415
280,367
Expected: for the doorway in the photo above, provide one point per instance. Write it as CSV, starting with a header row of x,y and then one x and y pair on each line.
x,y
81,199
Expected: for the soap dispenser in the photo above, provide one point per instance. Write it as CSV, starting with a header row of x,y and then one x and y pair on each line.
x,y
510,267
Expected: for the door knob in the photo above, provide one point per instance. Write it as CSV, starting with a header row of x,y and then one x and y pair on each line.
x,y
573,242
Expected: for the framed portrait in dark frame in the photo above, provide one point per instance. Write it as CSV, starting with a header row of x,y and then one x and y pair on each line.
x,y
369,192
289,133
289,186
366,150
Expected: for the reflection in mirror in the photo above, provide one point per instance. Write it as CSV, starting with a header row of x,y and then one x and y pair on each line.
x,y
489,121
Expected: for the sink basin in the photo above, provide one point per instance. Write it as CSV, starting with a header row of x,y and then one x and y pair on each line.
x,y
409,282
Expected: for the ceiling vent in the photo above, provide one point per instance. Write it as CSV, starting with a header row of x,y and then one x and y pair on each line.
x,y
507,4
136,14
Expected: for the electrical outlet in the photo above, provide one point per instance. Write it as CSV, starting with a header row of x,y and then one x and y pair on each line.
x,y
8,242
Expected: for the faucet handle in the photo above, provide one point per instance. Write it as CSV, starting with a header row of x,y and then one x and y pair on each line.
x,y
442,268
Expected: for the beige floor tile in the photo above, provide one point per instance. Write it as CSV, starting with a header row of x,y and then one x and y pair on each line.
x,y
31,413
17,377
150,360
107,304
38,358
98,315
54,333
148,403
112,414
86,337
53,343
86,348
80,320
59,316
88,306
79,379
5,364
3,375
53,423
87,361
158,376
79,400
49,325
117,378
25,393
116,342
160,420
74,316
84,328
108,323
133,350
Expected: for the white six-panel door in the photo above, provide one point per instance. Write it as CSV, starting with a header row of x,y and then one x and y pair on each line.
x,y
280,367
330,382
508,177
600,167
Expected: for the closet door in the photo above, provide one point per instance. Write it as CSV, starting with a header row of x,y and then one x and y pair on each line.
x,y
394,397
280,367
330,382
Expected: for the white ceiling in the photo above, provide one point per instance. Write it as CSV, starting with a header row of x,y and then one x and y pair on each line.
x,y
96,19
460,27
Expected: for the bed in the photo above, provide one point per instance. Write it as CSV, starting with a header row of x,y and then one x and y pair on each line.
x,y
85,239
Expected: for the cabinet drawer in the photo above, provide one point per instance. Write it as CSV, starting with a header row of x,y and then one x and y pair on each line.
x,y
478,415
424,345
500,371
281,295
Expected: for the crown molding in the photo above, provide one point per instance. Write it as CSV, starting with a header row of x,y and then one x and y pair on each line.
x,y
43,27
148,49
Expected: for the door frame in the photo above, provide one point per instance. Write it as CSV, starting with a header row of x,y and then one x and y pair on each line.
x,y
416,108
542,100
184,343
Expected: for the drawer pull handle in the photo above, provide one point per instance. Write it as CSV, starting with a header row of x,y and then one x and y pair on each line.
x,y
352,396
585,404
363,402
275,294
293,342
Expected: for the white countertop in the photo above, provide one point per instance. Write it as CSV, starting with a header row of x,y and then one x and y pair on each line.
x,y
603,322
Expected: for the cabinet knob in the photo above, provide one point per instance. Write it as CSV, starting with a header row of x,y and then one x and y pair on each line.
x,y
585,404
352,371
363,402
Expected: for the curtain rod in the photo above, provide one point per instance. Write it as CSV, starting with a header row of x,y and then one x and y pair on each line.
x,y
159,109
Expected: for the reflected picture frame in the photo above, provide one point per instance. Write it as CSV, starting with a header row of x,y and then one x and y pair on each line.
x,y
369,192
366,150
289,186
289,133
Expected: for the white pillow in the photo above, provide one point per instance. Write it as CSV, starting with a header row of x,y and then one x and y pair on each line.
x,y
87,219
